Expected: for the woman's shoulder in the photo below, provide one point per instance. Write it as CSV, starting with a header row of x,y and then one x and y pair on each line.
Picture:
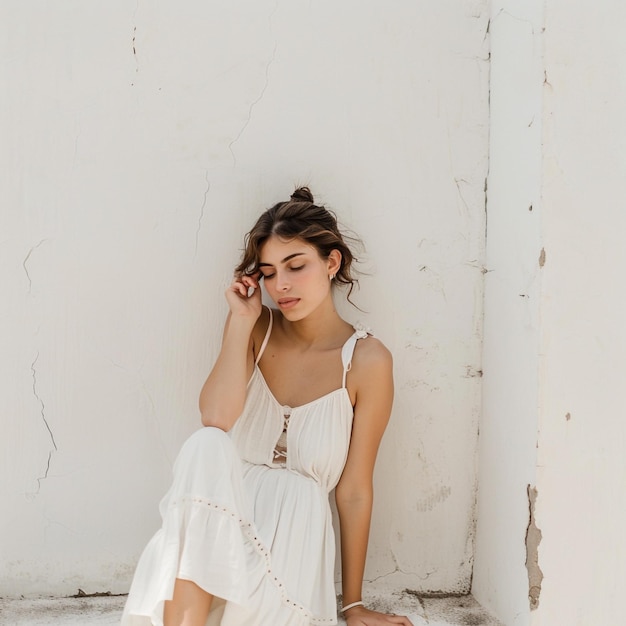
x,y
371,371
370,353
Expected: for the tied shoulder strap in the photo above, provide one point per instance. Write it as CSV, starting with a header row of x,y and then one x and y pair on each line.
x,y
360,332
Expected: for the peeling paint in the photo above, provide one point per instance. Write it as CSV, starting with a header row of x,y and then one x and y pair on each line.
x,y
96,594
542,257
533,539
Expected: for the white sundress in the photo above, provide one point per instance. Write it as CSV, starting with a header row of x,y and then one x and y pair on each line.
x,y
255,533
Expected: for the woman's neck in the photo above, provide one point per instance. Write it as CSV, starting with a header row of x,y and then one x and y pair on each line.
x,y
321,328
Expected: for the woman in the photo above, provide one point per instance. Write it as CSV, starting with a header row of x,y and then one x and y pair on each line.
x,y
247,538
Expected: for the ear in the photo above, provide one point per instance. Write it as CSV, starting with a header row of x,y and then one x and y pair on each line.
x,y
334,261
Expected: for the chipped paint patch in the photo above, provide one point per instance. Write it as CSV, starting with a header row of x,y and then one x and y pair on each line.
x,y
542,257
533,539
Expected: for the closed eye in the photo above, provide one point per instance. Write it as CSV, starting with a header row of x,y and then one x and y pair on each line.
x,y
291,269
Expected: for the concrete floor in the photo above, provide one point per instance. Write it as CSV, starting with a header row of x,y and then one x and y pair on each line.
x,y
107,610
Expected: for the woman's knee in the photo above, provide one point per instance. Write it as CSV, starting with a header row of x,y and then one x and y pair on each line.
x,y
208,440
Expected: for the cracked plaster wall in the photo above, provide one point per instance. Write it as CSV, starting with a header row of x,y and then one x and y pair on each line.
x,y
555,339
508,428
140,140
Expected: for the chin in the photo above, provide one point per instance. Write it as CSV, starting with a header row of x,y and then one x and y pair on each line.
x,y
293,316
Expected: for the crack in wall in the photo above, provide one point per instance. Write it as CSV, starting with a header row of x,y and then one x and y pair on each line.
x,y
139,381
514,17
373,580
457,182
201,215
135,48
76,138
486,194
25,262
397,569
134,41
33,370
252,105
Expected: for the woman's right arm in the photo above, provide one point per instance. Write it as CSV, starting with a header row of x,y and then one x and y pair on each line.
x,y
224,393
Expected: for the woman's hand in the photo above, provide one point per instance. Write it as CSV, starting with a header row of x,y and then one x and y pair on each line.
x,y
360,616
241,304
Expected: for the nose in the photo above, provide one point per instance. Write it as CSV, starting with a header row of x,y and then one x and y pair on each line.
x,y
282,281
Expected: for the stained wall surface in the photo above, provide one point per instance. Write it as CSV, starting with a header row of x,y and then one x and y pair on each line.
x,y
508,429
554,319
139,141
581,475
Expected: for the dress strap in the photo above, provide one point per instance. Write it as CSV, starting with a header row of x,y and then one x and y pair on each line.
x,y
266,338
348,350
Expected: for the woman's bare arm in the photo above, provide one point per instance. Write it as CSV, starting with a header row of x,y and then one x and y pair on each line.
x,y
354,493
223,394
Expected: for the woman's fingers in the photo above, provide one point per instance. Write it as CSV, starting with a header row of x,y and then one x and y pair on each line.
x,y
239,287
250,281
373,618
243,284
400,619
244,296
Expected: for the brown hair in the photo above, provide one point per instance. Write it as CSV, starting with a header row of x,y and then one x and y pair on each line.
x,y
301,218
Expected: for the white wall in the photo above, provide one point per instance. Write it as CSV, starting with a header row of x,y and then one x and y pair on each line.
x,y
508,428
581,478
554,362
140,140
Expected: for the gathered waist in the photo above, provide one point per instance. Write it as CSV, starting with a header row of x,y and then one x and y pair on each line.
x,y
284,473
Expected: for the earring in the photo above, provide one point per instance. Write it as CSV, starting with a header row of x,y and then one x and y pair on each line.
x,y
331,276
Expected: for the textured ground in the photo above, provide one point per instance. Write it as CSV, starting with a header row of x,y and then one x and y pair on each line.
x,y
106,610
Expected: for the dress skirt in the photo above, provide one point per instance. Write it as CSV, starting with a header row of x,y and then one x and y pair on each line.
x,y
256,537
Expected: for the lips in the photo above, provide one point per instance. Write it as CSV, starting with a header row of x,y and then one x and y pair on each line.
x,y
288,303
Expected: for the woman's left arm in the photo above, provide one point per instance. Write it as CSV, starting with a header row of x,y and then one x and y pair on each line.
x,y
372,377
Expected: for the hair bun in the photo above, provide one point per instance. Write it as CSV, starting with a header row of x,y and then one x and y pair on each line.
x,y
303,194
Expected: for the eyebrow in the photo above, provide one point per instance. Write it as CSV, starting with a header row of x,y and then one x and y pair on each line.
x,y
287,258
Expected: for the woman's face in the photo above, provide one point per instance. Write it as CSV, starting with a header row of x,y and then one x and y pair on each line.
x,y
295,275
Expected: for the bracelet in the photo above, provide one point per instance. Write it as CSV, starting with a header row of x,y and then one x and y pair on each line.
x,y
351,606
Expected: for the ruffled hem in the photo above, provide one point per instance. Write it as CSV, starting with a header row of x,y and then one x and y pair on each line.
x,y
251,536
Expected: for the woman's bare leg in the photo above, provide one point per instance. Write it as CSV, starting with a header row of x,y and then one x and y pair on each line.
x,y
189,606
